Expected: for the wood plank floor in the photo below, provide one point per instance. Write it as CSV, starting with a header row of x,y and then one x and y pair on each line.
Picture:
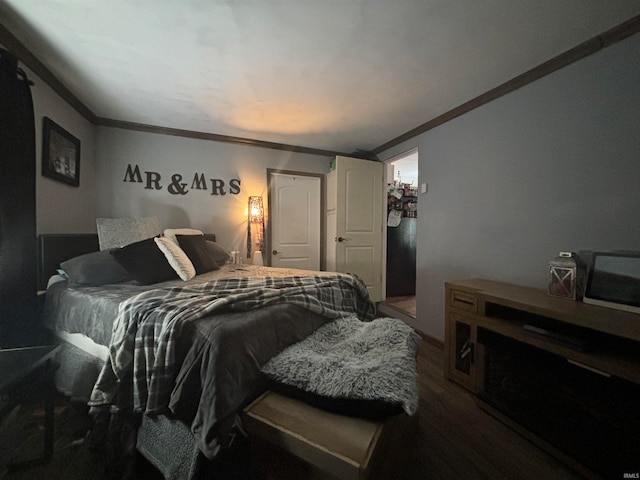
x,y
456,440
405,304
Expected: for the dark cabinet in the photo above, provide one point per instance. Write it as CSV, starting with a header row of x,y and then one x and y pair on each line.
x,y
401,258
17,205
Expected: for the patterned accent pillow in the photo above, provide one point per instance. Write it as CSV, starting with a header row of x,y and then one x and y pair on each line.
x,y
118,232
176,258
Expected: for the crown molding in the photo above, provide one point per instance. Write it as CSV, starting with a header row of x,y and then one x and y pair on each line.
x,y
614,35
141,127
610,37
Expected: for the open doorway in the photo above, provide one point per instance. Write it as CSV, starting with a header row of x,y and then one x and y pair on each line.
x,y
402,217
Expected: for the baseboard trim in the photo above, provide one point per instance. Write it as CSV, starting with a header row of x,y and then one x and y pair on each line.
x,y
385,309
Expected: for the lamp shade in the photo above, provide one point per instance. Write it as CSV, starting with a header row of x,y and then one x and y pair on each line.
x,y
255,213
256,210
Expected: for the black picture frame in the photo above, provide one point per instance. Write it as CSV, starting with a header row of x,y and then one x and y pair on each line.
x,y
60,153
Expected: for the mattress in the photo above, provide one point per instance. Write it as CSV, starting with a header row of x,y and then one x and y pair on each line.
x,y
219,354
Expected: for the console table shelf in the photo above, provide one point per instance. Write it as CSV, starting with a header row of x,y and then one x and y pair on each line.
x,y
612,337
535,301
612,356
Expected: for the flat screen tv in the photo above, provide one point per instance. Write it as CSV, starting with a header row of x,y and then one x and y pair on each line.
x,y
614,281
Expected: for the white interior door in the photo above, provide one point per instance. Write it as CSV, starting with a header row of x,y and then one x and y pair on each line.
x,y
355,211
295,217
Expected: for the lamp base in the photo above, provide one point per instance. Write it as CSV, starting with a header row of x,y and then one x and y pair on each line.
x,y
257,258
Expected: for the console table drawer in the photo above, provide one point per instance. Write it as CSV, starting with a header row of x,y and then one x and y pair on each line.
x,y
463,300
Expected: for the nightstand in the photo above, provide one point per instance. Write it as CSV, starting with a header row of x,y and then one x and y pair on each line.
x,y
27,373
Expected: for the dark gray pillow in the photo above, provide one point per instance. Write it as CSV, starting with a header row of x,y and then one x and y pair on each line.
x,y
94,269
145,262
219,254
195,246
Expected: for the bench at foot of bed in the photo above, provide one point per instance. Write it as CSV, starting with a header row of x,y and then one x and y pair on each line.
x,y
293,440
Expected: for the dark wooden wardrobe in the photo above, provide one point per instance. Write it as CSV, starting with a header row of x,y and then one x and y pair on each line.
x,y
18,268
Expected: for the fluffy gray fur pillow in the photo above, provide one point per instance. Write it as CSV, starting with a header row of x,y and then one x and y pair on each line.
x,y
351,359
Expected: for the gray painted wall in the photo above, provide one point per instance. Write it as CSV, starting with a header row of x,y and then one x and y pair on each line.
x,y
62,208
224,215
552,166
105,154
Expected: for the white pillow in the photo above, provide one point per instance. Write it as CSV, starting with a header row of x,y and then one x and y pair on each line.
x,y
119,232
176,258
172,232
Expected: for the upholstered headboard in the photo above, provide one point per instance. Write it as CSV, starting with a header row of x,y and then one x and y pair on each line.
x,y
54,248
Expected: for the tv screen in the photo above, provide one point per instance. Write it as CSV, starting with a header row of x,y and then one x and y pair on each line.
x,y
614,281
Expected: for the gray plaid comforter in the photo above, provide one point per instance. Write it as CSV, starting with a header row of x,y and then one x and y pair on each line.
x,y
148,356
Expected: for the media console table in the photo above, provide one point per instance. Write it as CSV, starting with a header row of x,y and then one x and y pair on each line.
x,y
563,373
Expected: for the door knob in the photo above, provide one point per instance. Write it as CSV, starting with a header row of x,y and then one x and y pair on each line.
x,y
342,239
274,252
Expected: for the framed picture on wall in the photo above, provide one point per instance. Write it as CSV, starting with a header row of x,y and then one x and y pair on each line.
x,y
60,153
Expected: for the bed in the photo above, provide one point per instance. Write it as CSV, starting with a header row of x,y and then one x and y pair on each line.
x,y
178,359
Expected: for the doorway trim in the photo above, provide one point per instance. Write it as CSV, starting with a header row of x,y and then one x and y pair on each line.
x,y
386,181
323,213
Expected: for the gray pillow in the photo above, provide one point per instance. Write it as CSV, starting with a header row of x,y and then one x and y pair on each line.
x,y
94,269
219,254
118,232
195,246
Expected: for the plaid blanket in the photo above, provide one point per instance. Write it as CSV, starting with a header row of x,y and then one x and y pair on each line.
x,y
141,367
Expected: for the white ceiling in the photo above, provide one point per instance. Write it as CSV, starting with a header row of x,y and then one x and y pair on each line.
x,y
340,75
